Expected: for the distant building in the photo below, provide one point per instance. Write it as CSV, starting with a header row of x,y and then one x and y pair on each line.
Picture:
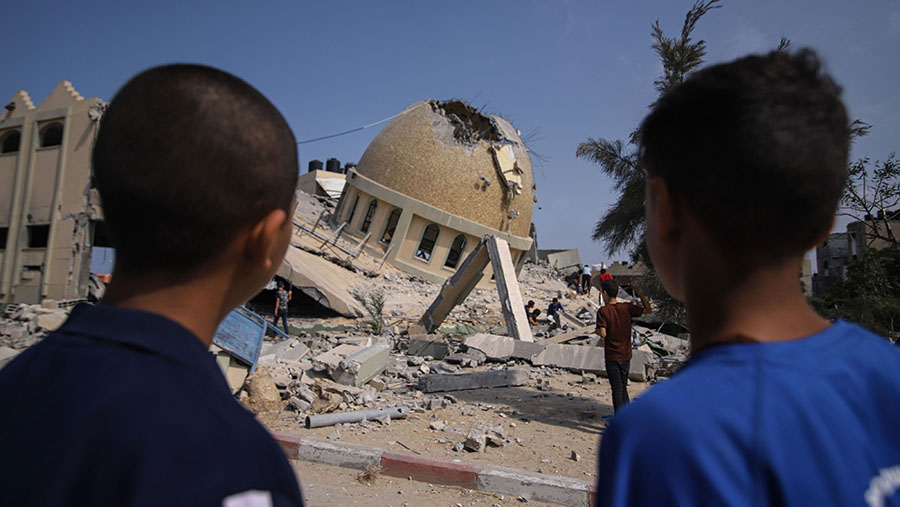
x,y
438,178
864,233
623,272
806,277
48,208
832,258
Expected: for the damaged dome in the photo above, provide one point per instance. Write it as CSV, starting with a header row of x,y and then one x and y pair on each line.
x,y
450,156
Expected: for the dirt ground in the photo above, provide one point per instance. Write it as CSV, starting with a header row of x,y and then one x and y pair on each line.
x,y
543,427
327,485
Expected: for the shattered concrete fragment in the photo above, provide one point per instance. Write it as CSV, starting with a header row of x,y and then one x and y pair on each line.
x,y
474,380
6,355
437,349
475,441
362,366
298,404
330,360
263,393
51,321
502,348
287,350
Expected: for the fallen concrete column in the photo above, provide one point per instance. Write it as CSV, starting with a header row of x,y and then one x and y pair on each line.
x,y
475,380
508,285
330,360
318,421
501,348
457,287
363,366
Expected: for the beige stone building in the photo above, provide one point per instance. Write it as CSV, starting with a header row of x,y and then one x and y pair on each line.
x,y
48,210
433,182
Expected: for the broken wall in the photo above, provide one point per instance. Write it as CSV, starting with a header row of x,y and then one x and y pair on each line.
x,y
48,207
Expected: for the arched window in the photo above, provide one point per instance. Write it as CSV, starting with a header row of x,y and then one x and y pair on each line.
x,y
429,238
11,142
353,210
51,135
456,250
391,226
367,221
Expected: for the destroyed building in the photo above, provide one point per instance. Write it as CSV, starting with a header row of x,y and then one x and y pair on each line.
x,y
433,182
48,210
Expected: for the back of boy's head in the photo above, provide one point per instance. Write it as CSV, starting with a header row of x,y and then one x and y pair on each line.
x,y
610,287
186,156
758,150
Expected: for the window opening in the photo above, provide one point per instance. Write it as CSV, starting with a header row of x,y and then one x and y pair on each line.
x,y
367,221
38,235
11,142
51,135
353,210
391,226
429,238
456,250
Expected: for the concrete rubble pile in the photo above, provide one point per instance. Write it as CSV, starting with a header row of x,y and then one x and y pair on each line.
x,y
25,325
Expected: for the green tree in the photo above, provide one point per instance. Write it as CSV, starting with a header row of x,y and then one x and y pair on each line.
x,y
622,226
870,296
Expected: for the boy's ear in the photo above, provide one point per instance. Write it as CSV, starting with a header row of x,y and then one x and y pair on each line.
x,y
663,212
268,239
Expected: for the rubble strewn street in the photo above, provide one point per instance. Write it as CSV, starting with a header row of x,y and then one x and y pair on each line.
x,y
466,391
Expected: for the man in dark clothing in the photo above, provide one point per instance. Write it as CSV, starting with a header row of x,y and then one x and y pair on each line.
x,y
529,307
553,311
282,297
614,326
141,413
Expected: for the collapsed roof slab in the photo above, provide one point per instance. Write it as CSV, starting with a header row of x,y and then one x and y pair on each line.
x,y
321,280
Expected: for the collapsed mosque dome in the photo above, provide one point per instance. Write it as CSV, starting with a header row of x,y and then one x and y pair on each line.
x,y
435,181
452,157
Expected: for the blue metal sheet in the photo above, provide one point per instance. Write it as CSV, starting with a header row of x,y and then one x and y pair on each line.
x,y
241,335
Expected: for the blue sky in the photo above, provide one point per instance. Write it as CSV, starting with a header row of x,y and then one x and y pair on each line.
x,y
566,69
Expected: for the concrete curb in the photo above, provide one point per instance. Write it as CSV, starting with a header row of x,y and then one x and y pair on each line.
x,y
483,477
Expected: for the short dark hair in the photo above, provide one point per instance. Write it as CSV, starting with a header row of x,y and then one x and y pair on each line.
x,y
758,149
535,313
610,287
555,300
187,155
530,303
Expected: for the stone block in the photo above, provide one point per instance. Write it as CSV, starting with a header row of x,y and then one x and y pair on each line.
x,y
572,357
474,380
502,348
423,347
362,366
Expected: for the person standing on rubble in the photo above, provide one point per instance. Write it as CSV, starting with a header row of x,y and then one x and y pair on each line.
x,y
614,326
282,297
776,405
197,171
586,279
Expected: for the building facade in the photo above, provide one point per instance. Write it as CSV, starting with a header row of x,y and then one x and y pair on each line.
x,y
832,258
48,209
433,182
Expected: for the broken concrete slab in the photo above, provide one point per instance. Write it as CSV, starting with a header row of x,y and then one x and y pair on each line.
x,y
6,355
437,349
589,359
330,360
361,367
572,357
324,281
502,348
567,319
570,335
475,380
286,350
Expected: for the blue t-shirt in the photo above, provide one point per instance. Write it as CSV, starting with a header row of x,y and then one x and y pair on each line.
x,y
123,407
814,421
